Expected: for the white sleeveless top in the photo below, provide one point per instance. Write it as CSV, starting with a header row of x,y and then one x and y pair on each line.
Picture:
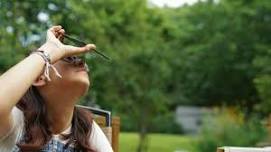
x,y
97,140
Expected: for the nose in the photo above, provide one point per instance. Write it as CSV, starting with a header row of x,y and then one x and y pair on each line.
x,y
79,62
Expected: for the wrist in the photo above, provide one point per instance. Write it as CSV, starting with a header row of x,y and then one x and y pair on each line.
x,y
52,50
48,64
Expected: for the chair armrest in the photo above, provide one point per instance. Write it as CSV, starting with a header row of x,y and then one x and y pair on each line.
x,y
100,112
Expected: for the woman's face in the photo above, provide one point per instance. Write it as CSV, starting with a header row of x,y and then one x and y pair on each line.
x,y
74,76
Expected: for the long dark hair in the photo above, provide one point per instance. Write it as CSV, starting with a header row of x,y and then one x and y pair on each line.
x,y
37,130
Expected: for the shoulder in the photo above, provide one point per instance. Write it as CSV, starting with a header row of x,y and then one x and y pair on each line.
x,y
17,117
14,134
98,140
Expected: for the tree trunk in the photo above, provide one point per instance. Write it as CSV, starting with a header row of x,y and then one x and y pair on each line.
x,y
143,139
143,130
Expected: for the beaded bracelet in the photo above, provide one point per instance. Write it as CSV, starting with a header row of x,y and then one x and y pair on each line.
x,y
48,65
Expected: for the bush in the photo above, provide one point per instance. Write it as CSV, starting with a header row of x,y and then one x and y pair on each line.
x,y
165,123
162,123
230,129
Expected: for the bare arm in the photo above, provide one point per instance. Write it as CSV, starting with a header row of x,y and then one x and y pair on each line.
x,y
15,82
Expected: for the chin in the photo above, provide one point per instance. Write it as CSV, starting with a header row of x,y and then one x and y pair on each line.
x,y
83,78
78,81
83,81
84,84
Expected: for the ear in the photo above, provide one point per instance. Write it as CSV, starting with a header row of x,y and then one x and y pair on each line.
x,y
40,81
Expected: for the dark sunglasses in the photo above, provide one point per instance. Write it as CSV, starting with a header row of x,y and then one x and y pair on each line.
x,y
81,43
76,60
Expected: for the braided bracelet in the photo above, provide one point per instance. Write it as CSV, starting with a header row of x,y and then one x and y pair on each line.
x,y
48,65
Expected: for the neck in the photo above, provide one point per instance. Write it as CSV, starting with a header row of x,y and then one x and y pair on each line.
x,y
60,107
59,118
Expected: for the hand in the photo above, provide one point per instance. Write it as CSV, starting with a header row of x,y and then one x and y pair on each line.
x,y
57,49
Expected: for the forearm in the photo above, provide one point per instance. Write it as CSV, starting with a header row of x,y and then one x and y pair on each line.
x,y
16,81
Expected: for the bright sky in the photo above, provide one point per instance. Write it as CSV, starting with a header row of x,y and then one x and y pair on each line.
x,y
172,3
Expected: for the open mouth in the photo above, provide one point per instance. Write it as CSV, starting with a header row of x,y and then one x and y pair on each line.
x,y
83,68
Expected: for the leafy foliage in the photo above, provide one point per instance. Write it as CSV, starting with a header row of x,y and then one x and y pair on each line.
x,y
209,53
230,129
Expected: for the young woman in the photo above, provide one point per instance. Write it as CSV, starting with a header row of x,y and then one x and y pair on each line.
x,y
38,97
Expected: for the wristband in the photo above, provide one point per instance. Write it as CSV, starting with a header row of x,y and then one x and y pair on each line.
x,y
46,57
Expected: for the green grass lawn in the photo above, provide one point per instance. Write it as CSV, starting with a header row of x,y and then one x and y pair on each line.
x,y
158,143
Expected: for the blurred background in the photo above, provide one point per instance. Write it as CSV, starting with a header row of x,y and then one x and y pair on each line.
x,y
185,75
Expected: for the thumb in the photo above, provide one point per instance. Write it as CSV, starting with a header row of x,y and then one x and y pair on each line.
x,y
73,50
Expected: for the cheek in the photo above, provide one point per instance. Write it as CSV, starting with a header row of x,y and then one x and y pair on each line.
x,y
66,71
71,75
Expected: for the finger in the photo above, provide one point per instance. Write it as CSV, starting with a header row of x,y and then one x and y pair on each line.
x,y
55,28
51,34
60,34
62,31
59,31
61,38
54,32
77,50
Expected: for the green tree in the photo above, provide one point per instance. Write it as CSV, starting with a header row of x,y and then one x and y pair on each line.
x,y
216,51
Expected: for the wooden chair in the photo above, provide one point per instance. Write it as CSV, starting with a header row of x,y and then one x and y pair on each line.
x,y
110,125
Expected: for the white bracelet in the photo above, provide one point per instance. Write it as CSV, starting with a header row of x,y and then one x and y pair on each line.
x,y
48,65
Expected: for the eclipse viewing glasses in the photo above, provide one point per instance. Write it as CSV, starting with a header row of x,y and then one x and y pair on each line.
x,y
82,43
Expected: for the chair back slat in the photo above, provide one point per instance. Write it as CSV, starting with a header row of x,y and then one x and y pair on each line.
x,y
110,126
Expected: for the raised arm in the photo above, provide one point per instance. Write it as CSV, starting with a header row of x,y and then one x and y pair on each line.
x,y
15,82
